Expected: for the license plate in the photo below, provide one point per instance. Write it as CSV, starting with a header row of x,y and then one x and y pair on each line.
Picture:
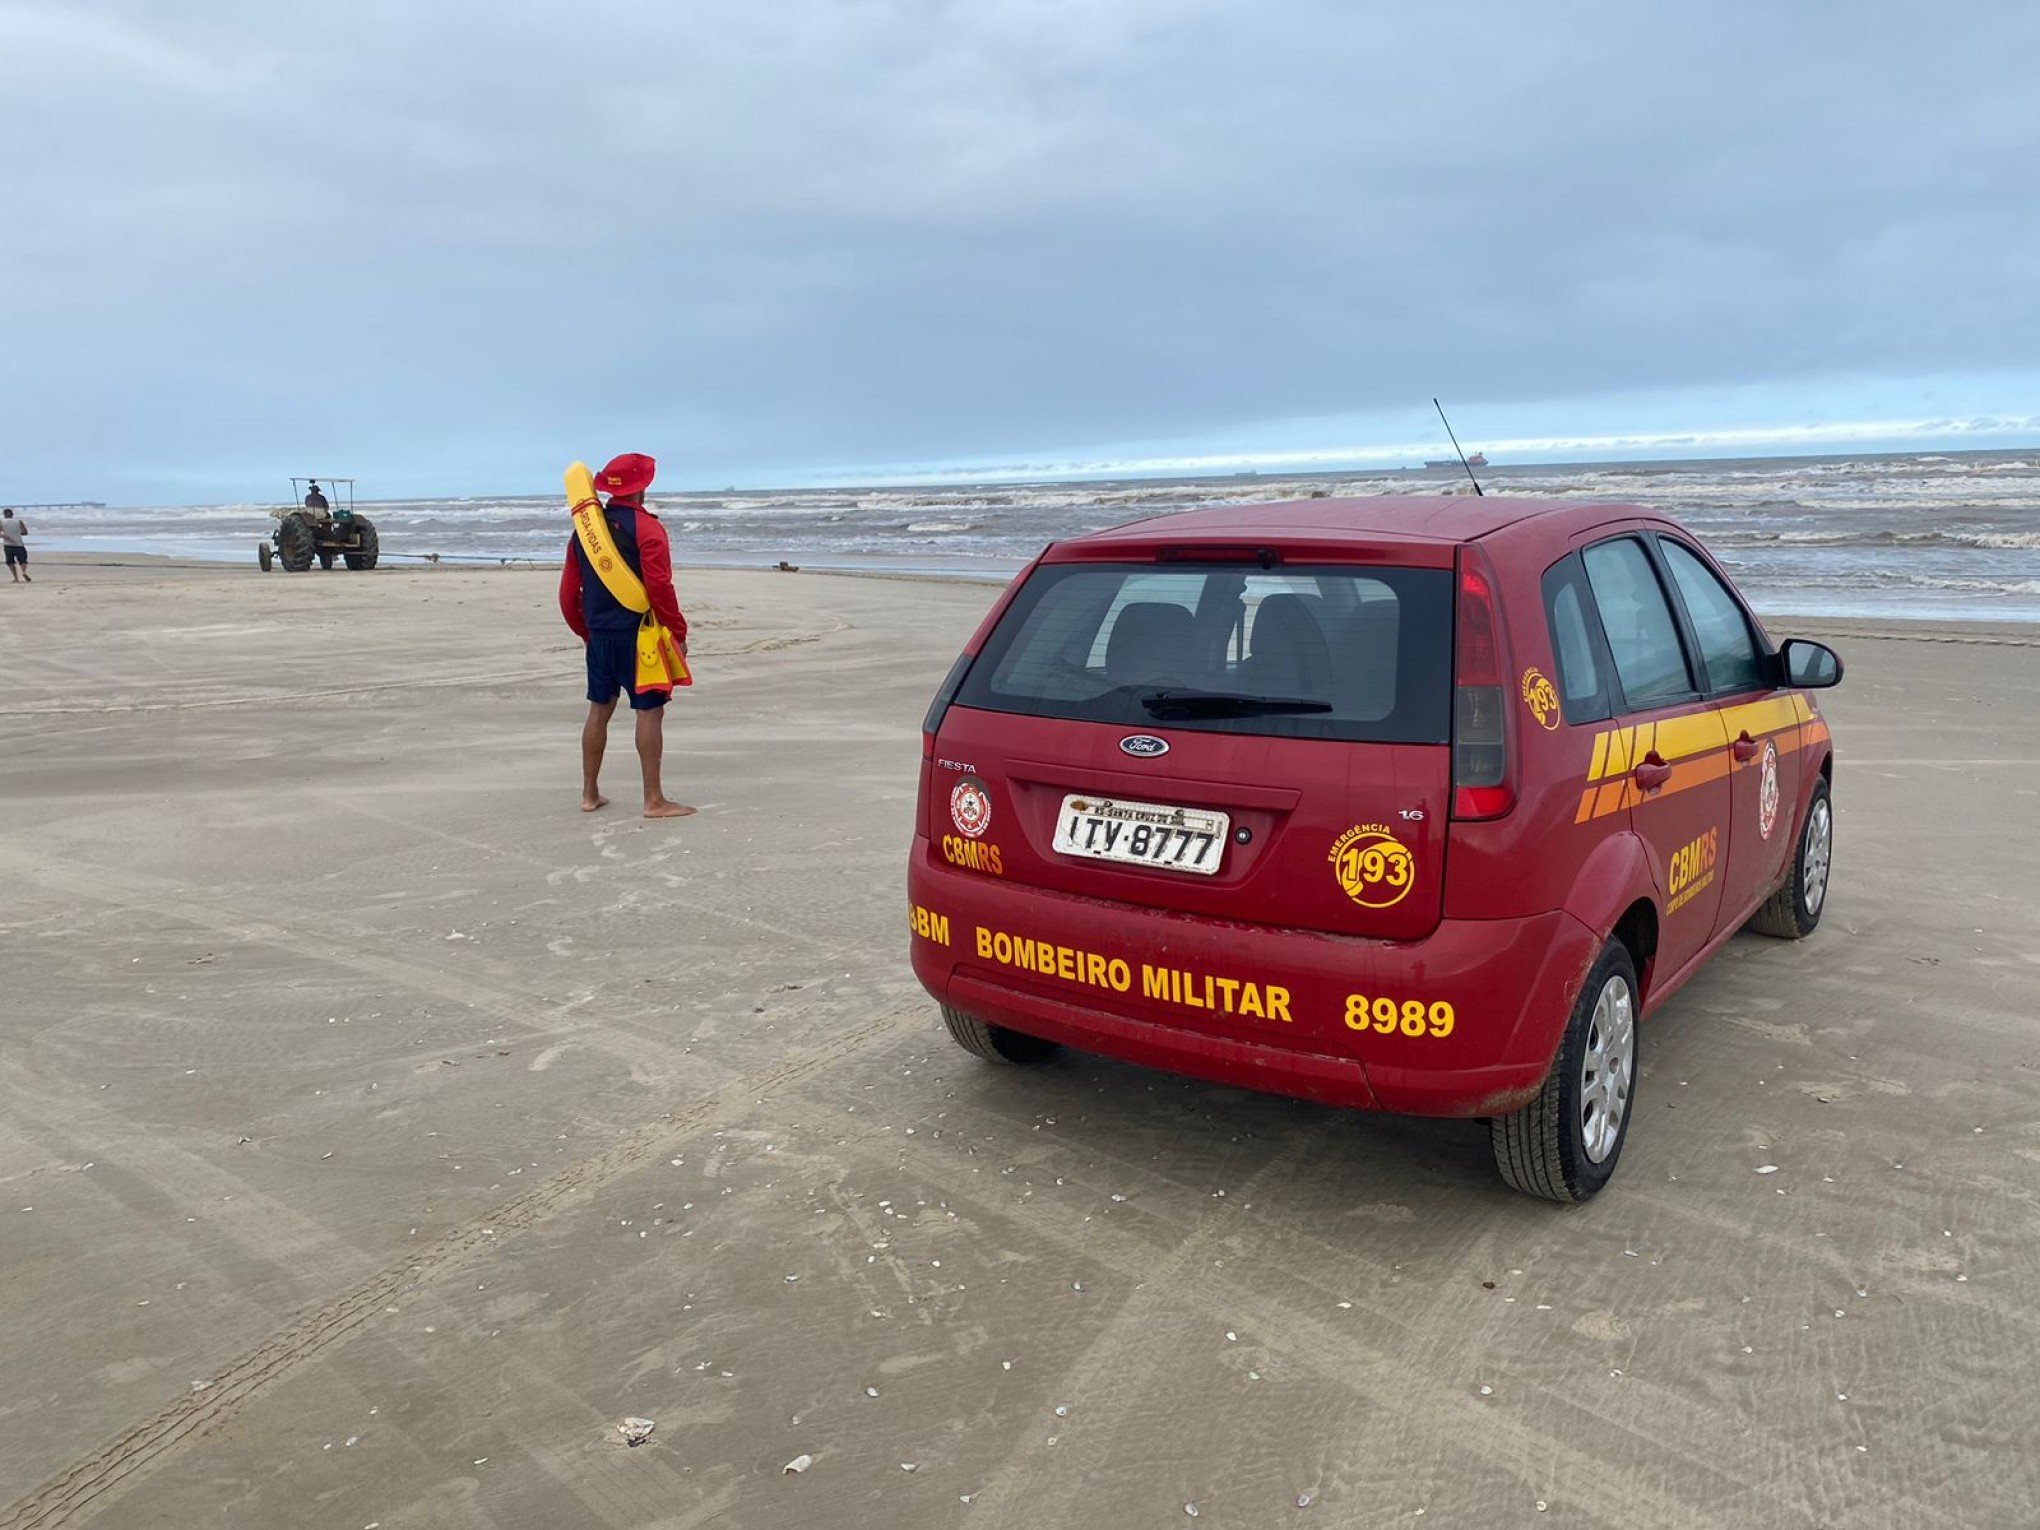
x,y
1142,834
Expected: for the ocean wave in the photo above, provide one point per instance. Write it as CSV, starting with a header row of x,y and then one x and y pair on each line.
x,y
1969,586
1937,530
1999,541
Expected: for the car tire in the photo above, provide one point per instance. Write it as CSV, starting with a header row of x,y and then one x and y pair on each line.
x,y
994,1043
1564,1144
1794,910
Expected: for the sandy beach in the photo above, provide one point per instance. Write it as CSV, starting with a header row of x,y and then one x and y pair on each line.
x,y
377,1132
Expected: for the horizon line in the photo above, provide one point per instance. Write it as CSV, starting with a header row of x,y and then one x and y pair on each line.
x,y
1390,457
1528,451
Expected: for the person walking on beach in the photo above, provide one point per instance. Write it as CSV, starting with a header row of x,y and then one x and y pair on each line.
x,y
14,535
610,630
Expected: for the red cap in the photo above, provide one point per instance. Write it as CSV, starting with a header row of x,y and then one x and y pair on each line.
x,y
629,474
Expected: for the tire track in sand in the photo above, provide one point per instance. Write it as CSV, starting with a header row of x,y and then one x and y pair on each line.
x,y
118,1465
1677,1466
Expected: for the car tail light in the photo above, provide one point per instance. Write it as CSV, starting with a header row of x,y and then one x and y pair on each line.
x,y
953,681
944,695
932,725
1482,786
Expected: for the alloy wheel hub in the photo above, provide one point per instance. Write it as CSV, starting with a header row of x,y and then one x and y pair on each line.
x,y
1820,837
1607,1068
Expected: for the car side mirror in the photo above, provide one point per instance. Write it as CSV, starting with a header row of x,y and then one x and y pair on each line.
x,y
1808,665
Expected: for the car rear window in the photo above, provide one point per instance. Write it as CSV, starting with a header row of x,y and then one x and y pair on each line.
x,y
1335,653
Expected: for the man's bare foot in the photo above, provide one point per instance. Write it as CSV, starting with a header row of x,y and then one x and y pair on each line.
x,y
664,808
590,804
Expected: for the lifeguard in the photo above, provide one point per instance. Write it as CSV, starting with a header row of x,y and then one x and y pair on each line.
x,y
593,601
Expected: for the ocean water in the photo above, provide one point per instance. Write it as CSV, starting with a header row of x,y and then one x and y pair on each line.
x,y
1943,536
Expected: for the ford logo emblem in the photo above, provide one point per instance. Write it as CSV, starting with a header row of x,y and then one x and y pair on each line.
x,y
1144,745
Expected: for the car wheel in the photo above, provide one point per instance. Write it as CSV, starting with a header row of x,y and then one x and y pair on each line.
x,y
994,1043
1564,1144
1794,909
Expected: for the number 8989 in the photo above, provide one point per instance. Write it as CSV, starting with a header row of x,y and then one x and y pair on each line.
x,y
1412,1017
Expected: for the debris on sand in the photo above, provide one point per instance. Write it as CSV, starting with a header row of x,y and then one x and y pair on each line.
x,y
799,1463
636,1431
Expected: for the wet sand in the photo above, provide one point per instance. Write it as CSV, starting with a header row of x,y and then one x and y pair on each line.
x,y
392,1130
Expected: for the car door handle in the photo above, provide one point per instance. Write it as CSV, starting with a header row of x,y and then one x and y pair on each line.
x,y
1744,749
1651,772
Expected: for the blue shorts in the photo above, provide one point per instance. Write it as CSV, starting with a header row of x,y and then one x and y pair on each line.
x,y
612,666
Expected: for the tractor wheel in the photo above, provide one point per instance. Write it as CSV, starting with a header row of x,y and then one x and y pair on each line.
x,y
325,559
295,544
368,546
264,556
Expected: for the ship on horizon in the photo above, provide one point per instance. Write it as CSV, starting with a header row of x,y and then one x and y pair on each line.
x,y
1476,460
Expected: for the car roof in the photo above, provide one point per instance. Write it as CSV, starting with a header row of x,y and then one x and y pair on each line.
x,y
1373,518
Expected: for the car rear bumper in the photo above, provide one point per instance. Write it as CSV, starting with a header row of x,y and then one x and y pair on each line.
x,y
1255,1006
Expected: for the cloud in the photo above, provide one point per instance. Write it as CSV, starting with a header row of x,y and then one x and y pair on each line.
x,y
445,245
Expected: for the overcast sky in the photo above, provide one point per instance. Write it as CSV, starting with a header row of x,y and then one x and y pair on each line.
x,y
448,246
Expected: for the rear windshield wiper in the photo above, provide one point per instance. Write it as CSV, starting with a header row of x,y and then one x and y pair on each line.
x,y
1188,704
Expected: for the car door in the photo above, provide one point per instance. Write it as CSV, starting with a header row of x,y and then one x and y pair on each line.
x,y
1663,761
1759,719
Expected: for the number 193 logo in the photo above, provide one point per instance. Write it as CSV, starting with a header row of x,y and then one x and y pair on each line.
x,y
1374,868
1541,697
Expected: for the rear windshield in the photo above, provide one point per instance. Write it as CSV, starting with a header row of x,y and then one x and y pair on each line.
x,y
1335,653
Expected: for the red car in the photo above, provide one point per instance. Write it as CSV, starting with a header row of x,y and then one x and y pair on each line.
x,y
1415,805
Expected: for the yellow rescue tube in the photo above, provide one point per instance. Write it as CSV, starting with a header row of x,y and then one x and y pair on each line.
x,y
592,527
580,487
660,665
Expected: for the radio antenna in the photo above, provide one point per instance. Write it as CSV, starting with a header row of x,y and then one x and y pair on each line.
x,y
1455,446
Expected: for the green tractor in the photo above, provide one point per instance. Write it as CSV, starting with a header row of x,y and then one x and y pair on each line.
x,y
312,528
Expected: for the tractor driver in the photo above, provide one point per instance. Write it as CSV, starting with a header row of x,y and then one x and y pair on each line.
x,y
316,500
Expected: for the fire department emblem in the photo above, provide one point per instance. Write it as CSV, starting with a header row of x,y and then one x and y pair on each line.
x,y
970,807
1767,791
1541,696
1374,868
